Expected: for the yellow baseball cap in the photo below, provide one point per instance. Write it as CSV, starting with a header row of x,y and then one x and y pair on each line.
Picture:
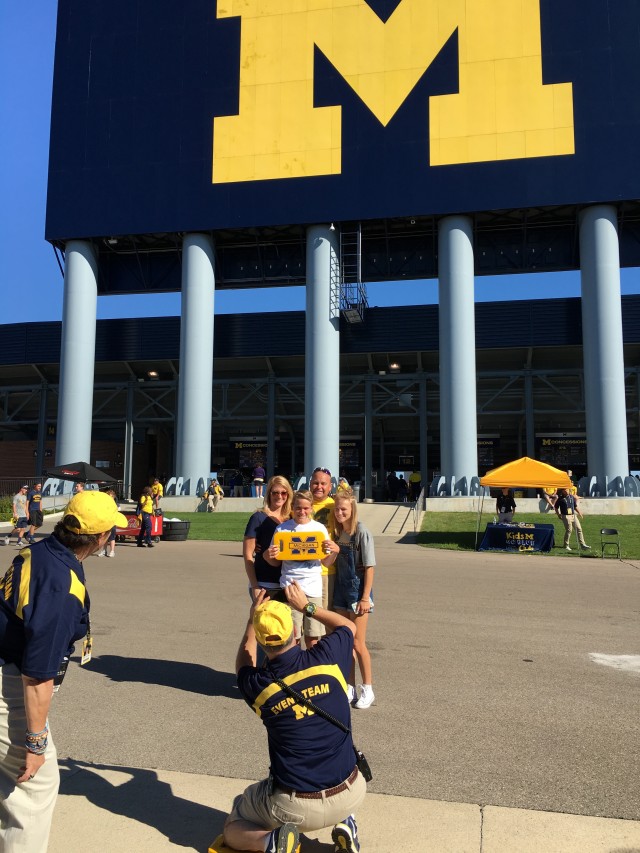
x,y
273,623
92,512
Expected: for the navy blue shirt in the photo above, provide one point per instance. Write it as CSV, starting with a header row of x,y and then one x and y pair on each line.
x,y
307,752
44,608
34,497
261,527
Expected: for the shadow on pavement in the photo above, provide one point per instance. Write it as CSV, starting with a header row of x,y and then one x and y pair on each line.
x,y
464,541
145,799
181,675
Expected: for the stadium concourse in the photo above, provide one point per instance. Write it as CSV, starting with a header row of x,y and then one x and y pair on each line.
x,y
530,391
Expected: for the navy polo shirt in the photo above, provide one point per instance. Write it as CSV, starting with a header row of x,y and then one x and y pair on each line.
x,y
307,752
44,608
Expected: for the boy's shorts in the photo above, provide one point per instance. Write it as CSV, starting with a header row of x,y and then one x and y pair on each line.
x,y
310,627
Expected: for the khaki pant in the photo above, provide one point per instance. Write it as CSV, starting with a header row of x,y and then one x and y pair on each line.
x,y
26,810
269,809
570,522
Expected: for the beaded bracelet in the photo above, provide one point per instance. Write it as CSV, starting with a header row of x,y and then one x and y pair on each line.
x,y
36,742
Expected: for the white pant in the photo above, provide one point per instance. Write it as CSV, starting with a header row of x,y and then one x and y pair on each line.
x,y
26,810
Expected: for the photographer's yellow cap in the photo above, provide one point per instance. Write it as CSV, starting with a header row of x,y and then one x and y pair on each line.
x,y
273,623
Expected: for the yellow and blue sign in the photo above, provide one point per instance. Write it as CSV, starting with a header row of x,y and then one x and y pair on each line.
x,y
251,113
299,546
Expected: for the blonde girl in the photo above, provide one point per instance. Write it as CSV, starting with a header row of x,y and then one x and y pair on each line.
x,y
353,591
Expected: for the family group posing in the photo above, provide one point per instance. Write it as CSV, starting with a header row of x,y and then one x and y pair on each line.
x,y
342,581
302,695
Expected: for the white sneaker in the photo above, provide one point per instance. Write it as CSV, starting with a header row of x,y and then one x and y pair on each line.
x,y
100,554
585,547
110,554
567,548
366,696
6,540
351,693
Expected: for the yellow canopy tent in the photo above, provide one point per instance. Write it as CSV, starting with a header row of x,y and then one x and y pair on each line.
x,y
525,473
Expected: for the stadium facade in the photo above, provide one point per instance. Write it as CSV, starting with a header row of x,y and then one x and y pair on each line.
x,y
333,143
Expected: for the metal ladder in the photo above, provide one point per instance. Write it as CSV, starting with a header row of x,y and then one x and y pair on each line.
x,y
353,294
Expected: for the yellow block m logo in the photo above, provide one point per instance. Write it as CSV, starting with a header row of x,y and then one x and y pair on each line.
x,y
502,110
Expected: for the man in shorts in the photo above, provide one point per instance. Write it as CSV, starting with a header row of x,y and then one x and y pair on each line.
x,y
20,514
314,781
34,499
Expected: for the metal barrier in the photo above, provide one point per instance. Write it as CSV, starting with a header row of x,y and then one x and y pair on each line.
x,y
10,486
418,508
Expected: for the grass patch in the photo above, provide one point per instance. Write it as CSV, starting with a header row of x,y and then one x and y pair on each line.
x,y
215,526
456,531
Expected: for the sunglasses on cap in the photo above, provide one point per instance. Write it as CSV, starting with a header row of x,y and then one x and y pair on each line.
x,y
321,471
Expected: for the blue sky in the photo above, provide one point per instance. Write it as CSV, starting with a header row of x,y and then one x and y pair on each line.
x,y
29,269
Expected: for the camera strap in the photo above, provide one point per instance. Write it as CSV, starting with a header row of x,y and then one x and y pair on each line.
x,y
303,701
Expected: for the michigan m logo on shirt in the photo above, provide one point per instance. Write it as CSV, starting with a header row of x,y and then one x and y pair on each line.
x,y
502,110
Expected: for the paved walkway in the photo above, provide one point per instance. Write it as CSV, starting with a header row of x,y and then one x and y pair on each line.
x,y
150,811
494,731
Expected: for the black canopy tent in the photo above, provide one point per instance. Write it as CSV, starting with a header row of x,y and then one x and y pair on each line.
x,y
80,472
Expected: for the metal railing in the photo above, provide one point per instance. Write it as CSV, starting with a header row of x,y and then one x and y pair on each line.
x,y
418,509
10,486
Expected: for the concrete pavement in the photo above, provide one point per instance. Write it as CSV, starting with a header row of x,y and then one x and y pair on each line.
x,y
494,731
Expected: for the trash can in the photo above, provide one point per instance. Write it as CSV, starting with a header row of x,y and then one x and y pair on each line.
x,y
175,531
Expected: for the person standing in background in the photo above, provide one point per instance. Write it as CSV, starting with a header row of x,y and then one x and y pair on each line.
x,y
20,514
34,500
156,493
257,475
568,511
144,510
505,506
415,484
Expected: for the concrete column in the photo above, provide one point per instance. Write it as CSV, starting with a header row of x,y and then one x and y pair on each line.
x,y
322,352
271,427
458,426
368,439
422,404
127,473
604,391
41,462
77,353
529,414
195,383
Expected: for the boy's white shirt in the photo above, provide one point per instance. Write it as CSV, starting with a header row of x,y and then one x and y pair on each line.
x,y
308,573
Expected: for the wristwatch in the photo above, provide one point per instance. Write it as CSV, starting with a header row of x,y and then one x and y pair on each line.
x,y
309,609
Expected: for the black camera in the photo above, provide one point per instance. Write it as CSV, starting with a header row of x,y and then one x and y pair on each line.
x,y
62,671
363,766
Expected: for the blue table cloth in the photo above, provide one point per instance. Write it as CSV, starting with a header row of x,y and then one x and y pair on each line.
x,y
516,537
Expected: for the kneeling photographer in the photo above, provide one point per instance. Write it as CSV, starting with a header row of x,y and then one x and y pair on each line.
x,y
316,777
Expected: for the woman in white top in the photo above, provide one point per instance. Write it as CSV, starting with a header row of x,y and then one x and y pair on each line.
x,y
308,573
